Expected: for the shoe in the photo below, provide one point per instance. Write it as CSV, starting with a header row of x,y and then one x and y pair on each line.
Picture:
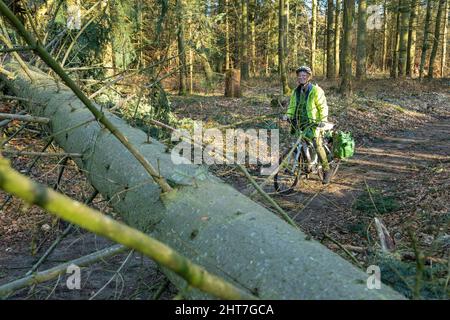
x,y
326,177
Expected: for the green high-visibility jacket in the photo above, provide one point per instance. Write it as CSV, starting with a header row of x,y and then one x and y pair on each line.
x,y
316,106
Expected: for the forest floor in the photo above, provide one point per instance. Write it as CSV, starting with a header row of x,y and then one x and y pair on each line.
x,y
400,174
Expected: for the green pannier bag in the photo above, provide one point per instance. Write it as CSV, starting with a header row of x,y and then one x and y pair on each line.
x,y
343,145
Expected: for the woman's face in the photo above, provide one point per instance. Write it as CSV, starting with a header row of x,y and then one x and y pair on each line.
x,y
302,77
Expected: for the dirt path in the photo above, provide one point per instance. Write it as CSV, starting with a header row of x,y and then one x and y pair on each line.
x,y
387,164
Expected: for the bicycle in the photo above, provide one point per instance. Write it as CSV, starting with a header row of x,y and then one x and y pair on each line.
x,y
301,160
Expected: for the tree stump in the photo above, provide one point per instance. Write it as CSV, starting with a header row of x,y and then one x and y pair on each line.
x,y
233,83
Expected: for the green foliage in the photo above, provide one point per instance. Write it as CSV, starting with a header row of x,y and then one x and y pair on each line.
x,y
402,277
150,104
374,201
359,228
123,25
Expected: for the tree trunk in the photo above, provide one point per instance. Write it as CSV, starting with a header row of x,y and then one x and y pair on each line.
x,y
346,83
385,37
281,45
286,34
253,36
181,48
313,34
395,46
404,26
337,38
444,41
191,62
203,218
233,83
426,33
296,39
437,37
330,40
268,44
227,38
209,74
410,59
361,40
244,40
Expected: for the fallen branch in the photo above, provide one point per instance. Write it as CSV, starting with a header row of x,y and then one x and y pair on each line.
x,y
41,154
326,236
5,122
58,240
52,273
30,167
94,221
25,118
15,49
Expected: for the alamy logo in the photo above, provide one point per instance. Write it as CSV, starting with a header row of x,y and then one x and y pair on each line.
x,y
73,281
374,280
374,17
210,146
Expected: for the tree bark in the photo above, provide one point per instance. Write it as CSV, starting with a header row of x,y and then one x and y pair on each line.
x,y
361,40
395,45
437,37
410,59
244,40
385,37
233,83
296,38
346,83
181,48
425,44
337,38
281,46
227,38
404,26
313,34
253,37
203,218
330,40
444,41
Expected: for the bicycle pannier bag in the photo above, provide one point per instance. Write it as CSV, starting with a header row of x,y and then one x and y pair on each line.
x,y
343,145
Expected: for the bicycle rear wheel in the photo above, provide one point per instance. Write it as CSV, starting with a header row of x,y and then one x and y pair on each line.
x,y
288,174
334,163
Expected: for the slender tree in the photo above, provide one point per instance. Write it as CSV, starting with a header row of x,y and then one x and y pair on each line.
x,y
385,37
281,44
181,48
436,39
426,33
346,83
444,40
404,26
330,40
411,40
296,36
244,40
253,11
337,37
396,42
361,40
313,33
227,37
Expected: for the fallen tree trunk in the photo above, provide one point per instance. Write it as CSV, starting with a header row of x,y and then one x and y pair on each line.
x,y
202,218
